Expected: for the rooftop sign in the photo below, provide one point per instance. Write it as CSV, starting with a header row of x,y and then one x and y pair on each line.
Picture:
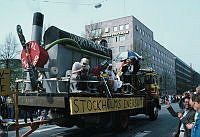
x,y
115,34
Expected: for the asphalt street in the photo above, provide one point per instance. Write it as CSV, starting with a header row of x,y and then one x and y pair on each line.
x,y
139,126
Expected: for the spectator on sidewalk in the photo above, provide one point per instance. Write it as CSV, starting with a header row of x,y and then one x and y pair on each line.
x,y
181,101
185,117
28,112
10,108
197,90
43,115
195,126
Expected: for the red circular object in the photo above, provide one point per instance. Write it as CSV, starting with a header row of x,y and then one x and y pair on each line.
x,y
35,54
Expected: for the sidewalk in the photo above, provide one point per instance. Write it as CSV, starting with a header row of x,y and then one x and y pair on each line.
x,y
20,120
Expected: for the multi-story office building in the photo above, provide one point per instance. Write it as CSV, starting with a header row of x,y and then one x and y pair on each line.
x,y
186,77
164,64
195,79
128,33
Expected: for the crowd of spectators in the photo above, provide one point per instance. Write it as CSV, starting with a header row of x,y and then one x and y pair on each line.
x,y
189,116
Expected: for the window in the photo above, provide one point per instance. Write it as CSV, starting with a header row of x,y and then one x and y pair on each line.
x,y
145,44
127,26
96,31
122,48
140,31
93,31
113,49
110,39
106,30
141,42
99,31
122,37
115,28
136,27
149,46
143,32
121,27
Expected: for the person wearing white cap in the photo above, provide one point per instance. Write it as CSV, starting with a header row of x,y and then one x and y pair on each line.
x,y
80,71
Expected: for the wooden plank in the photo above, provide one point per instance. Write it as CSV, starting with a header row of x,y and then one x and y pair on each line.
x,y
42,101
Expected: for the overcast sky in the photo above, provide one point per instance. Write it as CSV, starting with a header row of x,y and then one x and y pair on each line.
x,y
175,23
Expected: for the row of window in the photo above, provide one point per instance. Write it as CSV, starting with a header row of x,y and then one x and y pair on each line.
x,y
183,67
181,72
147,54
120,27
143,32
183,75
98,31
120,49
159,60
159,68
116,39
150,47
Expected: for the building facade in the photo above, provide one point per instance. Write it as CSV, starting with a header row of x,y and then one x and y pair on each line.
x,y
186,77
129,34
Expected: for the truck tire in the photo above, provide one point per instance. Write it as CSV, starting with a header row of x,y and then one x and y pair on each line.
x,y
153,114
120,121
80,124
63,124
66,123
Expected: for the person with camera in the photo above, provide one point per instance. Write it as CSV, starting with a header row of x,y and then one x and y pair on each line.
x,y
80,71
186,116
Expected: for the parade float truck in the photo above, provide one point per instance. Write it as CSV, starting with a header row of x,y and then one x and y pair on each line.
x,y
47,85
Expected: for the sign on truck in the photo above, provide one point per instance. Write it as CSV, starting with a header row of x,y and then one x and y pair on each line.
x,y
5,82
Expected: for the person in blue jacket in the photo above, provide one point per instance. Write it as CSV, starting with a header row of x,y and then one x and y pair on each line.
x,y
196,126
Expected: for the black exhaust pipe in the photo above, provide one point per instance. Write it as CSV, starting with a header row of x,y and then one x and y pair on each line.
x,y
37,27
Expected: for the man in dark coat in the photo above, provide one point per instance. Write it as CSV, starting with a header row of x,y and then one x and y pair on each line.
x,y
185,117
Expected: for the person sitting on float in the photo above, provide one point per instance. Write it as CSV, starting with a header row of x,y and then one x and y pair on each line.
x,y
125,70
96,71
113,81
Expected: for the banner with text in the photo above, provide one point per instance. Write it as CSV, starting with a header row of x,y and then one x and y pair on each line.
x,y
85,105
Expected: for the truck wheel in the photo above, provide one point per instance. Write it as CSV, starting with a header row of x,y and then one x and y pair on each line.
x,y
68,125
80,124
153,112
120,121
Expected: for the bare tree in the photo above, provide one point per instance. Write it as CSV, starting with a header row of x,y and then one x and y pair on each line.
x,y
8,54
146,56
8,50
167,82
93,32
